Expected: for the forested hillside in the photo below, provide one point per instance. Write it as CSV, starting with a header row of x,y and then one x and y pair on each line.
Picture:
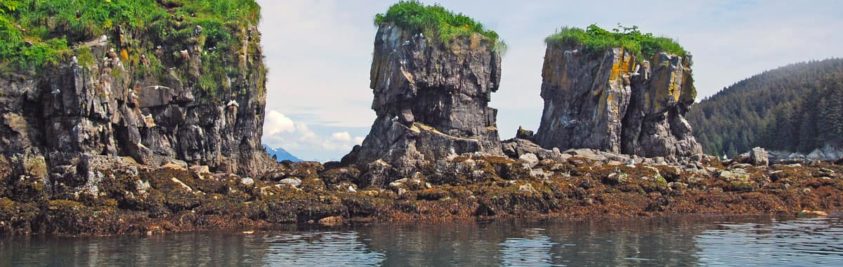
x,y
795,108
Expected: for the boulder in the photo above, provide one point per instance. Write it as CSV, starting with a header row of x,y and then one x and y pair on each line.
x,y
431,100
378,174
515,148
758,157
530,160
293,182
247,181
612,101
524,134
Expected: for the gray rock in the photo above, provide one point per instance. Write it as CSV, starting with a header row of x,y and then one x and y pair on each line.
x,y
606,100
758,157
294,182
526,188
107,110
142,187
735,175
515,148
530,160
586,153
524,134
247,181
431,100
378,174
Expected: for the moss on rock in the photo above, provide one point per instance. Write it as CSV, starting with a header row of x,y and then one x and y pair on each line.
x,y
593,38
435,20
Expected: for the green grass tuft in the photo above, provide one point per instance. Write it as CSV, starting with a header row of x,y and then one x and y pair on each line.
x,y
594,38
435,20
35,33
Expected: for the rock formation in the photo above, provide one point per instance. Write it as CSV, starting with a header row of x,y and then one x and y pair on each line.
x,y
610,100
431,99
130,96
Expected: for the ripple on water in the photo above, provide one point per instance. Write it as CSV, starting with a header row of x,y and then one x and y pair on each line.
x,y
800,242
531,250
661,242
320,249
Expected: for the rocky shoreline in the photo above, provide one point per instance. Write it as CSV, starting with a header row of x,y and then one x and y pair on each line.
x,y
575,184
145,133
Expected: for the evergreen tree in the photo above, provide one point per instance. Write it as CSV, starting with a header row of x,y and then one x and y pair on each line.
x,y
796,108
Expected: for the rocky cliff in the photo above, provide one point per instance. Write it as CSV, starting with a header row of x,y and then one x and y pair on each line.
x,y
615,100
173,92
431,99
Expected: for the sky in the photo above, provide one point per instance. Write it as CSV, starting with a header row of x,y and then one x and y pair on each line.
x,y
319,53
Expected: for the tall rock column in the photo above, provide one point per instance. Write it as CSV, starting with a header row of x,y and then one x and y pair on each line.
x,y
654,124
585,98
431,99
134,95
608,99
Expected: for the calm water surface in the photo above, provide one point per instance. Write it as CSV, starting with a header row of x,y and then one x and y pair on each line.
x,y
652,242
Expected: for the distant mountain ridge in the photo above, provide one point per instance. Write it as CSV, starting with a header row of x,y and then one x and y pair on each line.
x,y
796,108
280,154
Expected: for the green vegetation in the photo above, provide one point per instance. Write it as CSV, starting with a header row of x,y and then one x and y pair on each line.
x,y
594,38
34,33
795,108
435,20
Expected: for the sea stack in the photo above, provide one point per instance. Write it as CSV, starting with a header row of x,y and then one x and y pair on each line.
x,y
432,84
180,95
622,92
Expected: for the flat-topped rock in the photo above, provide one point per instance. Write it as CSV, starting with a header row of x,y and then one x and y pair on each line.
x,y
431,99
612,101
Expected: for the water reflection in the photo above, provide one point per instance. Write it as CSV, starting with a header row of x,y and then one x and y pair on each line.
x,y
532,250
660,242
172,250
313,248
791,243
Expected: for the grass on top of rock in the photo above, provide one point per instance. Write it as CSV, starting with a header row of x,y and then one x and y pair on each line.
x,y
34,33
594,38
435,20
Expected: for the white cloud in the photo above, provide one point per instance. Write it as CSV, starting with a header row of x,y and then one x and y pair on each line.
x,y
276,122
342,136
318,54
301,140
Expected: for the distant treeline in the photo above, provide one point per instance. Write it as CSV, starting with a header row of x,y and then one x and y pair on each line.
x,y
794,108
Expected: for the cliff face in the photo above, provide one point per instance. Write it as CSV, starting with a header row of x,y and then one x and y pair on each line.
x,y
607,100
431,99
129,95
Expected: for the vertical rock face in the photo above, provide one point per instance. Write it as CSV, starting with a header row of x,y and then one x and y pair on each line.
x,y
655,125
586,97
431,99
611,101
95,109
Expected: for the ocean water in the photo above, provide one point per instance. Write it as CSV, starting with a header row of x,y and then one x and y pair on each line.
x,y
634,242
